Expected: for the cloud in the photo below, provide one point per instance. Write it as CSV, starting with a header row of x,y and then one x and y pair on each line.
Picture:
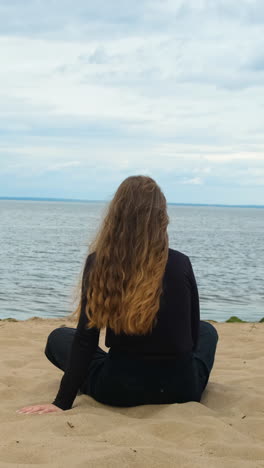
x,y
256,63
249,11
66,165
193,181
110,88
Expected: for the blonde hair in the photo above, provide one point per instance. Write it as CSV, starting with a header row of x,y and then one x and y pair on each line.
x,y
122,288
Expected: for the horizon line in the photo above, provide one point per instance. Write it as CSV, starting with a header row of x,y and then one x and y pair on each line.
x,y
74,200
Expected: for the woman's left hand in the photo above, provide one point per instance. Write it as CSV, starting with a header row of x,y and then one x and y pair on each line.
x,y
40,409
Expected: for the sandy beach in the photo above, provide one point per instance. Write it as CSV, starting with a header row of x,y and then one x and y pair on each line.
x,y
226,429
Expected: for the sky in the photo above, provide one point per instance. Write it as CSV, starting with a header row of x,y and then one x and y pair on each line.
x,y
93,92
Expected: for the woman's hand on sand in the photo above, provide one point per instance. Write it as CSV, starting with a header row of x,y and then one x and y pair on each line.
x,y
40,409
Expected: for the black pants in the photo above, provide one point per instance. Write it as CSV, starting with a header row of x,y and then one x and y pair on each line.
x,y
123,380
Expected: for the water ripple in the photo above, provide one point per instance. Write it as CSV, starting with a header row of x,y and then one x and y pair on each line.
x,y
41,259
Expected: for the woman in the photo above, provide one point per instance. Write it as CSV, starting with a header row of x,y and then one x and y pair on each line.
x,y
145,295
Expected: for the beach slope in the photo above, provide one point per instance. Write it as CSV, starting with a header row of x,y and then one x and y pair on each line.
x,y
226,429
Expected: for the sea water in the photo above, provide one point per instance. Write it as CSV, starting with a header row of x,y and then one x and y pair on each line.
x,y
43,245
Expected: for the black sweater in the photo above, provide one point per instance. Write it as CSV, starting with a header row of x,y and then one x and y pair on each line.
x,y
175,333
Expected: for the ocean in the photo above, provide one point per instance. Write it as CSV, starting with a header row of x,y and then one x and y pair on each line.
x,y
44,245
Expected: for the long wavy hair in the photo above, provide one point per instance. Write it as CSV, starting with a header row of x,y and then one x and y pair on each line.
x,y
121,289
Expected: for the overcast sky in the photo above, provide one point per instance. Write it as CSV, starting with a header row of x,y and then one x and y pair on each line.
x,y
94,91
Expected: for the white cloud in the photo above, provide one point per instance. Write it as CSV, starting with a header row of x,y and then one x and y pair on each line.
x,y
236,156
193,181
202,170
171,87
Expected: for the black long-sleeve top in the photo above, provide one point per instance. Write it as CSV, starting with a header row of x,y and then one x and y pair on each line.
x,y
175,333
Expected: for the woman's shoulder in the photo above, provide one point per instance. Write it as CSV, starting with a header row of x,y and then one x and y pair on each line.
x,y
176,254
178,263
89,261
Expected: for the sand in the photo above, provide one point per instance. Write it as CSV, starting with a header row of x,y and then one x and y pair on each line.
x,y
226,429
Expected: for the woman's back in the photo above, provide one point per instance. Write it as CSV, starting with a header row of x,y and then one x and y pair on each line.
x,y
178,318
